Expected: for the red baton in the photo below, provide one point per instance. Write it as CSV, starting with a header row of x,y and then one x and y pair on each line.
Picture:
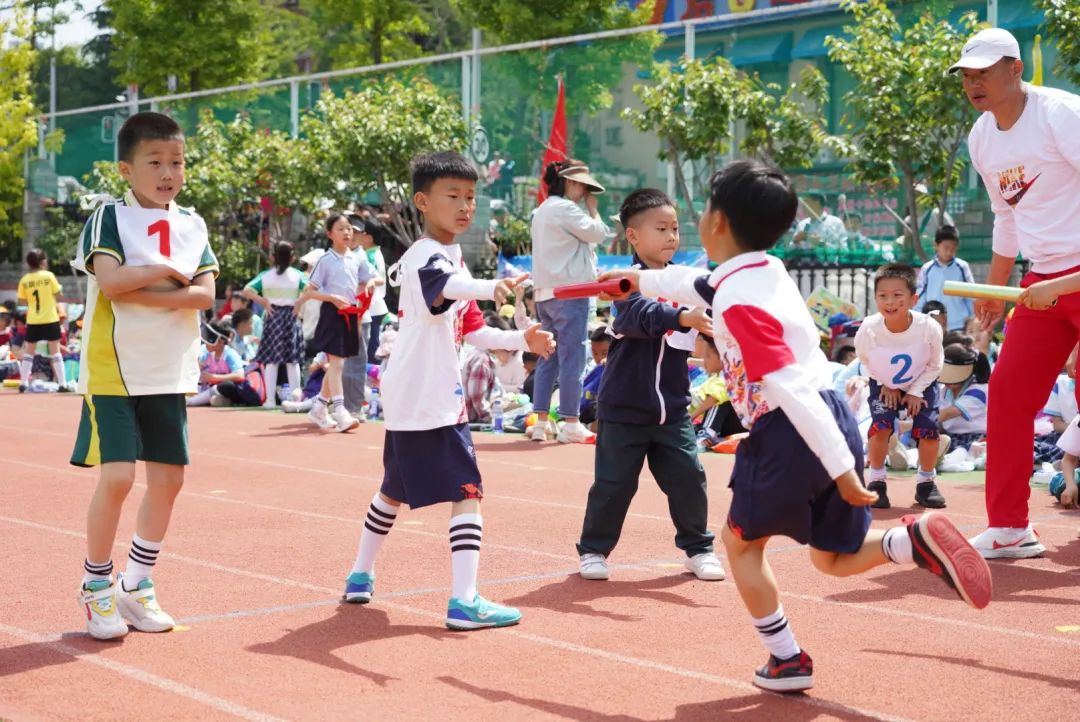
x,y
612,286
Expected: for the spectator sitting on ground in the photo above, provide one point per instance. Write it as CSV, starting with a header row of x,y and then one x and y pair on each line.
x,y
714,416
963,409
303,399
241,322
218,362
599,342
241,301
528,360
937,311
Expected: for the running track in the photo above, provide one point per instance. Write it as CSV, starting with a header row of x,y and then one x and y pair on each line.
x,y
266,531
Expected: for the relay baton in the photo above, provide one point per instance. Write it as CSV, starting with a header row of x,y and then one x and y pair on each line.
x,y
984,290
612,286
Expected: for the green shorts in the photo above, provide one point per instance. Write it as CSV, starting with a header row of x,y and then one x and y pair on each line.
x,y
132,428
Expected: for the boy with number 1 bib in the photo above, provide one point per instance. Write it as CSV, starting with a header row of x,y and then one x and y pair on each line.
x,y
902,353
150,275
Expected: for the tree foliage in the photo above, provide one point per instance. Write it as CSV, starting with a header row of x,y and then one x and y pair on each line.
x,y
1062,25
18,126
908,119
205,44
363,142
694,108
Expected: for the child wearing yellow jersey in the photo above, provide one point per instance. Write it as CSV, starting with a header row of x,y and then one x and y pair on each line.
x,y
38,290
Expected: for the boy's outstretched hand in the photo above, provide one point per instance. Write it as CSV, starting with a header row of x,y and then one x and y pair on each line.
x,y
633,275
540,342
505,288
696,318
852,491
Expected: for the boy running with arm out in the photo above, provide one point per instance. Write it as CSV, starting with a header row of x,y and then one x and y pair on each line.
x,y
428,454
798,473
150,268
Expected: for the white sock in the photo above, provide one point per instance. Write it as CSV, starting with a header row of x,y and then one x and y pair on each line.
x,y
877,474
897,545
26,368
270,378
377,524
776,634
58,368
465,533
926,475
96,571
141,560
293,371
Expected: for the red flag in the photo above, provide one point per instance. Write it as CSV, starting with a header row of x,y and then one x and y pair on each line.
x,y
556,146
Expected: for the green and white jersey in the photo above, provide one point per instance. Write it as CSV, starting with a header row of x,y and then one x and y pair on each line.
x,y
130,349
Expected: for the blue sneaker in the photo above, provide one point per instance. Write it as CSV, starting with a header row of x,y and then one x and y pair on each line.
x,y
359,587
478,614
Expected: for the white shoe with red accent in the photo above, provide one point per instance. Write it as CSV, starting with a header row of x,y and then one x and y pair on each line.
x,y
575,433
1008,543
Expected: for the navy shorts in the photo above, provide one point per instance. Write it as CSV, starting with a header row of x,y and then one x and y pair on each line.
x,y
780,488
431,466
884,419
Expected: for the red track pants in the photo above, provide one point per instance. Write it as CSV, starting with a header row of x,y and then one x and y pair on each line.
x,y
1037,345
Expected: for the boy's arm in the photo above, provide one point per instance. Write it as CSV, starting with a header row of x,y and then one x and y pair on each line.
x,y
495,339
681,284
441,285
641,317
198,296
116,280
936,362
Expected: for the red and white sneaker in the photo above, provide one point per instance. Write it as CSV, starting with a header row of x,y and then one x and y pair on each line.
x,y
1004,543
793,674
939,547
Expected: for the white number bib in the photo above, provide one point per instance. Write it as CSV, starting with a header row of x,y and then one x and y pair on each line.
x,y
150,236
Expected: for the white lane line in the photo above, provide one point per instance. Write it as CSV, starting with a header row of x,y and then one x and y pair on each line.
x,y
139,675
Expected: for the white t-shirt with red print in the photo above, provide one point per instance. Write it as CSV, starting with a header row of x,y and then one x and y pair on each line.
x,y
1032,173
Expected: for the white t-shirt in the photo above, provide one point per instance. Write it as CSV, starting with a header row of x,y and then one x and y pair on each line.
x,y
910,360
280,289
828,232
421,386
972,405
1062,401
1032,173
1070,438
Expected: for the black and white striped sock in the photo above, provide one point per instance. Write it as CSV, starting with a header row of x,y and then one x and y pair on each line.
x,y
141,560
466,531
377,524
96,571
776,634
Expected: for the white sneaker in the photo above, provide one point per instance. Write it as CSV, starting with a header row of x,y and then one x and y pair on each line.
x,y
1005,543
103,620
706,567
218,401
140,607
593,566
575,433
1043,476
319,416
543,431
344,420
956,461
297,407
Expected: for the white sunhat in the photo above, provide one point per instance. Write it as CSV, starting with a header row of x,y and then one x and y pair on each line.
x,y
985,48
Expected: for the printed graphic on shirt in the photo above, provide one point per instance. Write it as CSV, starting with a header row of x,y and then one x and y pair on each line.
x,y
1012,184
747,397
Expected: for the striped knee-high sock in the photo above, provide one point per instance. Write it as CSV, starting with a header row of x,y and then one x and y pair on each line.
x,y
776,634
466,531
141,560
380,519
96,571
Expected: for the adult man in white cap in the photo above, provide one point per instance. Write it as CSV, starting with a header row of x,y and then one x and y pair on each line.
x,y
1026,147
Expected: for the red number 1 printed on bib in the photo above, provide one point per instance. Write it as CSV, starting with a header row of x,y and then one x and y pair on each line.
x,y
161,228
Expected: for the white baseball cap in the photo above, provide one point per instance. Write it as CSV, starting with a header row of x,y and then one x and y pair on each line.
x,y
985,48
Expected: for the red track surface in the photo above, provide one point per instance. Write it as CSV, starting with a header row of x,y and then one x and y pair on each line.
x,y
266,531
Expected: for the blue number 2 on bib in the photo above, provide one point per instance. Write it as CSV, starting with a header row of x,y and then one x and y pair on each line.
x,y
904,361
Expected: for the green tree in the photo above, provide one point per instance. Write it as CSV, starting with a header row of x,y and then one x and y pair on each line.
x,y
1062,25
205,44
908,119
694,108
363,142
18,126
518,88
368,32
